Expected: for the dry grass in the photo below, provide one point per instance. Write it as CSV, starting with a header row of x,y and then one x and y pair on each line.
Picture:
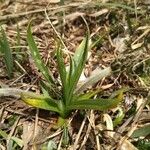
x,y
121,39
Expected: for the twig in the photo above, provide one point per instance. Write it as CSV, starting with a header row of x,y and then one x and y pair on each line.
x,y
56,33
92,122
36,124
141,36
79,134
60,143
86,136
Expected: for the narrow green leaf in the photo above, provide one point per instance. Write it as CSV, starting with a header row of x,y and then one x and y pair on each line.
x,y
37,58
71,71
78,62
18,141
5,49
87,95
51,145
69,81
119,93
46,103
3,134
80,58
45,89
66,138
61,67
96,104
26,94
63,73
80,52
141,132
118,120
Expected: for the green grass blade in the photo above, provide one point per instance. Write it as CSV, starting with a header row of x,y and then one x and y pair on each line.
x,y
119,118
36,56
45,89
80,58
81,52
71,70
7,54
78,62
95,104
69,81
45,103
119,93
66,137
17,140
3,134
141,132
63,73
61,67
88,95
